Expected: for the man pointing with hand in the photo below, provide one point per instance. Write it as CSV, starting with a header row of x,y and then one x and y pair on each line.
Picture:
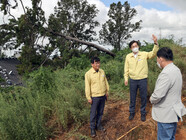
x,y
136,69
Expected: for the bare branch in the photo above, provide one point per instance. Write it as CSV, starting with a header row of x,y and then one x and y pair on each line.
x,y
84,49
11,15
23,6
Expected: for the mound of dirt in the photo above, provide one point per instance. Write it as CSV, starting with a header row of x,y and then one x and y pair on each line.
x,y
118,127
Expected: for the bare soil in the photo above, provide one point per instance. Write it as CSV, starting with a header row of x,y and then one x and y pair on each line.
x,y
118,127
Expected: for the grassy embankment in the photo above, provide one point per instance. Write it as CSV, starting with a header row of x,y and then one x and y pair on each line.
x,y
52,101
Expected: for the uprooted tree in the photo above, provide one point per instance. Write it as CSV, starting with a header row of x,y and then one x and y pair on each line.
x,y
71,26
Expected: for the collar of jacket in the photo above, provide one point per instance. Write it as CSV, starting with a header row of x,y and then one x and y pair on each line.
x,y
169,65
93,71
132,54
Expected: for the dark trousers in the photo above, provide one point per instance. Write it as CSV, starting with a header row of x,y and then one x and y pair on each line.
x,y
134,86
96,113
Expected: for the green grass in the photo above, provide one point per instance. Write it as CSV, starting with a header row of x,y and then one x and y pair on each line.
x,y
48,103
53,100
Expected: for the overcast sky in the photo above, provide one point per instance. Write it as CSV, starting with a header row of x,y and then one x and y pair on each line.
x,y
160,17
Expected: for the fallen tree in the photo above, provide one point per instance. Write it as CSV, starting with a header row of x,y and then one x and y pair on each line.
x,y
83,42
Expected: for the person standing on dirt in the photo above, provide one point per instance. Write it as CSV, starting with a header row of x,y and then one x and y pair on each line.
x,y
136,68
96,89
167,106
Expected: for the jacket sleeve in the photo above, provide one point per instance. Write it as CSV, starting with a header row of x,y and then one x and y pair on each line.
x,y
153,53
126,69
87,86
161,88
107,85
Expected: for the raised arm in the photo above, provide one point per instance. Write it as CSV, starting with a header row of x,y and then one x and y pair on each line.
x,y
155,49
154,38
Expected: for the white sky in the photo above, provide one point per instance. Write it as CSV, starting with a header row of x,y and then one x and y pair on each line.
x,y
155,20
159,21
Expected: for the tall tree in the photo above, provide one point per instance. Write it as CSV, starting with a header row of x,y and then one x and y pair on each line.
x,y
67,29
74,18
24,32
118,28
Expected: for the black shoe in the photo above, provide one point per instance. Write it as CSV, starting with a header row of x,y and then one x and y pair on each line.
x,y
93,133
131,117
143,117
101,128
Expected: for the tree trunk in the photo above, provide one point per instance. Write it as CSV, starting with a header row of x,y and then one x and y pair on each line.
x,y
83,42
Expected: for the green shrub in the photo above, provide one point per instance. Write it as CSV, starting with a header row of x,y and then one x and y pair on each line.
x,y
79,63
49,102
71,87
1,79
113,70
181,64
52,101
22,117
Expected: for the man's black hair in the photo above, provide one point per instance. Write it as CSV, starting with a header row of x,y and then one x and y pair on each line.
x,y
96,59
133,41
165,53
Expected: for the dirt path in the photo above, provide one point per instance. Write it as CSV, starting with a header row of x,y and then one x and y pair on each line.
x,y
116,122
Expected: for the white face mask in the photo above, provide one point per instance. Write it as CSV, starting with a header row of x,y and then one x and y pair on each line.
x,y
159,65
135,50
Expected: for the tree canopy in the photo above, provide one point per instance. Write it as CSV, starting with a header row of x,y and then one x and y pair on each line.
x,y
119,26
71,26
73,22
73,18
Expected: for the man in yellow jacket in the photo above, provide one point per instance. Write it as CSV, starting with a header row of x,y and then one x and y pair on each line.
x,y
96,89
136,68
